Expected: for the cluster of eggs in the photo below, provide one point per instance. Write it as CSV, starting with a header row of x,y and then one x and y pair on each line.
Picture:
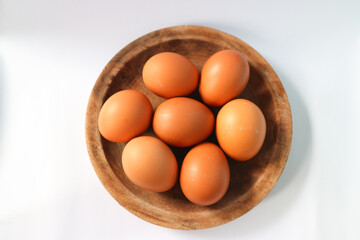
x,y
181,121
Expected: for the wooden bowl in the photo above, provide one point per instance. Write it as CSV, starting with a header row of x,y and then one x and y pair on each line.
x,y
250,181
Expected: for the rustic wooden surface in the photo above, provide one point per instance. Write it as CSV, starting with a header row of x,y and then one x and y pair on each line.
x,y
250,181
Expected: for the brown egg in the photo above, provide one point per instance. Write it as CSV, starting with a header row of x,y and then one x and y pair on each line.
x,y
223,77
170,74
205,174
125,115
183,122
150,164
240,129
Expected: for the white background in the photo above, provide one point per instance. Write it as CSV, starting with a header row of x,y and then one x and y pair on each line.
x,y
51,53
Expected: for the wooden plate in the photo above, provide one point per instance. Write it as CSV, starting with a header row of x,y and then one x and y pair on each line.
x,y
250,181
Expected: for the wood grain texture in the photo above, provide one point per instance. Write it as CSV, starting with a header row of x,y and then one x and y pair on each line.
x,y
250,181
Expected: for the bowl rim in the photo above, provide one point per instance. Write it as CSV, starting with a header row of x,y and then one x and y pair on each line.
x,y
97,155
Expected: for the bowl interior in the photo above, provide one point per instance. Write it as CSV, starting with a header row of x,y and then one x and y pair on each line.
x,y
250,181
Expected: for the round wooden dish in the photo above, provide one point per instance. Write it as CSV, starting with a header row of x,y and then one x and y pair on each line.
x,y
250,181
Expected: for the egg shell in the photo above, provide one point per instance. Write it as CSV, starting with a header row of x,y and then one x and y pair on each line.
x,y
170,74
240,129
223,77
150,164
205,174
183,122
125,115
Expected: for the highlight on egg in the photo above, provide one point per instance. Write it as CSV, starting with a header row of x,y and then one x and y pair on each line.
x,y
150,164
183,122
205,174
125,115
223,77
170,74
240,129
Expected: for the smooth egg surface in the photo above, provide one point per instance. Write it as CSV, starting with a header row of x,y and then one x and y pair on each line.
x,y
170,74
240,129
183,122
150,164
205,174
223,77
125,115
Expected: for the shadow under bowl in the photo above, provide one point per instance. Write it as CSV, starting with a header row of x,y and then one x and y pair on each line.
x,y
250,181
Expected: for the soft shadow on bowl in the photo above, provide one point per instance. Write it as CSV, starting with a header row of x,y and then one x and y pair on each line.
x,y
298,162
287,188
